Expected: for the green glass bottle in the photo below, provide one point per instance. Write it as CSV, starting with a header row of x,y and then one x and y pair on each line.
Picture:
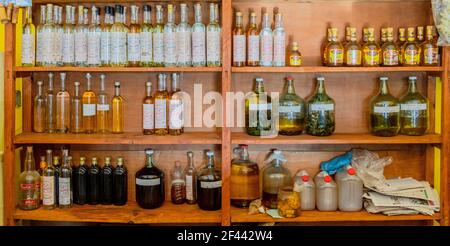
x,y
384,112
320,117
414,112
258,109
291,111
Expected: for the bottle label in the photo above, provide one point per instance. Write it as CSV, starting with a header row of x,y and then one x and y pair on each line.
x,y
28,54
39,46
105,47
68,47
336,56
198,47
387,109
372,57
134,48
148,116
148,182
158,47
160,113
64,191
260,106
57,50
322,107
295,60
289,109
189,188
28,187
146,46
279,48
213,46
266,48
88,109
354,57
390,57
102,107
411,57
47,47
81,46
239,48
93,57
48,190
175,114
170,48
184,47
413,106
118,47
211,185
430,55
253,48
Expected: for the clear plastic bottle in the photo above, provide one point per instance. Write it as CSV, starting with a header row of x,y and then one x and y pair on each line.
x,y
350,190
327,195
275,177
178,184
305,185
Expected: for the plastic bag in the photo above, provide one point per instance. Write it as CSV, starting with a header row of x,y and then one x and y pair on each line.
x,y
369,166
338,162
441,15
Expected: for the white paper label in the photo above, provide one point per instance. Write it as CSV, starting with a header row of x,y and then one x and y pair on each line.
x,y
413,106
105,47
160,113
175,114
253,48
118,47
266,48
211,185
148,116
93,48
148,182
170,48
102,107
322,107
57,50
261,106
28,54
68,48
47,47
387,109
198,47
48,190
134,48
146,46
213,46
81,44
184,47
39,46
88,109
64,191
189,188
239,48
158,47
289,109
279,48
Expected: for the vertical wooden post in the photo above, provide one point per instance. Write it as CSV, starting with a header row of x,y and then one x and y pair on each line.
x,y
445,147
27,104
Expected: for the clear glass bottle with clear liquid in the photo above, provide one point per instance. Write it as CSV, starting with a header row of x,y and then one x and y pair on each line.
x,y
81,39
198,38
68,38
266,42
279,43
94,39
158,38
28,40
39,108
213,39
145,38
50,109
29,183
170,39
183,38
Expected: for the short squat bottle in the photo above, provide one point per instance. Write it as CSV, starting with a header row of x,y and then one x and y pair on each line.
x,y
120,181
414,112
209,185
327,197
384,112
150,184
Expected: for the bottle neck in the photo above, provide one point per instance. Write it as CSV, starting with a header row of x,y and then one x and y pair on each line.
x,y
102,85
149,160
49,18
244,154
170,16
40,91
210,162
68,15
147,17
290,87
190,161
253,21
212,14
384,89
183,14
412,86
265,21
117,17
117,91
259,87
94,16
162,84
278,21
239,21
134,16
28,16
77,91
49,160
198,13
88,84
50,83
148,90
63,84
320,87
29,161
159,16
43,14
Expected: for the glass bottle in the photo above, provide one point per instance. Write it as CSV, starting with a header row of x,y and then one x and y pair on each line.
x,y
39,110
275,177
411,49
177,184
89,107
383,36
62,107
430,51
170,39
80,182
183,38
120,182
65,184
334,50
150,191
266,42
42,166
158,38
81,39
148,111
190,178
198,38
413,111
50,109
390,50
161,107
133,39
57,166
244,178
29,183
102,107
347,36
28,40
105,37
117,110
400,42
279,43
213,39
323,49
371,50
384,112
118,39
239,42
93,178
76,114
176,107
209,185
258,109
48,183
40,36
295,57
252,41
352,57
291,111
59,30
106,182
94,39
420,34
68,37
145,38
320,112
48,38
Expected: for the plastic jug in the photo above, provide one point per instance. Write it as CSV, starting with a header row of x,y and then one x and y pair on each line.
x,y
305,185
350,190
327,197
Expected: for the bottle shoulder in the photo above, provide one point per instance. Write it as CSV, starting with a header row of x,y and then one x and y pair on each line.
x,y
384,100
413,98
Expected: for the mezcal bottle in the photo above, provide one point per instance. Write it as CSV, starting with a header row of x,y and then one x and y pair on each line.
x,y
291,110
384,112
198,39
145,38
170,40
413,111
258,109
320,112
183,38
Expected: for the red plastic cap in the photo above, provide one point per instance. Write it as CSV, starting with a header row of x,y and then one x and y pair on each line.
x,y
244,146
327,179
305,178
351,171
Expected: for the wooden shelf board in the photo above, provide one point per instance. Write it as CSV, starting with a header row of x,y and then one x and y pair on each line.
x,y
338,138
118,69
125,138
323,69
108,1
241,216
130,213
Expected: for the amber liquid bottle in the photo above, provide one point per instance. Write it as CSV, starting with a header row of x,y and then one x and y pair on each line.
x,y
334,50
161,107
244,179
239,42
252,42
117,125
148,111
371,50
323,48
430,51
89,107
411,50
400,42
353,52
390,50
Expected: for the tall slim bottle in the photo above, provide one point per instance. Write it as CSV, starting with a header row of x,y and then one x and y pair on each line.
x,y
50,109
57,166
170,40
63,107
120,182
145,38
279,43
213,39
29,183
198,38
93,183
117,101
191,177
94,39
89,107
76,114
81,39
414,112
48,182
65,184
80,179
39,108
176,107
59,30
183,37
252,42
158,38
239,42
106,182
28,40
148,111
161,106
133,39
118,40
105,37
68,37
40,36
103,123
266,42
48,34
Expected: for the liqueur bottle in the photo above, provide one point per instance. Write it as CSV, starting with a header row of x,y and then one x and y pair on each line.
x,y
170,40
28,40
118,39
323,49
209,185
371,50
80,182
279,43
39,108
258,108
430,51
48,38
161,101
59,30
213,38
190,178
239,42
383,36
68,37
42,166
89,107
106,182
117,102
352,57
413,111
145,38
334,50
148,111
384,112
40,36
150,191
81,39
420,34
244,178
48,183
133,39
291,111
400,42
76,114
178,184
29,183
57,166
105,37
65,184
390,50
158,38
103,121
183,38
120,182
347,37
266,42
295,58
411,49
320,112
50,109
62,107
198,38
93,178
94,39
252,41
176,107
275,177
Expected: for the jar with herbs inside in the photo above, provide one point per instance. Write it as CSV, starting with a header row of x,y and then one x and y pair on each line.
x,y
320,112
288,202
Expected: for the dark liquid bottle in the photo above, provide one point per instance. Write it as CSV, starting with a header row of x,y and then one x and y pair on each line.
x,y
209,186
94,183
57,166
149,184
106,182
80,183
120,182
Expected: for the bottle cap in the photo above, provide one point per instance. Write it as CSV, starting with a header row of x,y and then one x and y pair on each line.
x,y
147,8
117,84
383,78
40,83
49,151
238,14
190,154
63,76
76,83
320,78
149,151
50,75
289,78
259,79
412,78
210,153
327,178
148,84
351,171
94,160
88,75
55,160
107,160
305,178
252,14
243,146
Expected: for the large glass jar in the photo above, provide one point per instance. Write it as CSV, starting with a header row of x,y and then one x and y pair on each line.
x,y
288,202
244,178
150,191
291,120
209,186
275,177
320,117
413,111
384,112
258,110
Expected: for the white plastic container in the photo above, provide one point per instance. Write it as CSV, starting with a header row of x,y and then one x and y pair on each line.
x,y
327,197
305,185
350,190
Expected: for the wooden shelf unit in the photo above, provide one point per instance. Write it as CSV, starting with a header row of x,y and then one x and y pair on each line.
x,y
229,78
